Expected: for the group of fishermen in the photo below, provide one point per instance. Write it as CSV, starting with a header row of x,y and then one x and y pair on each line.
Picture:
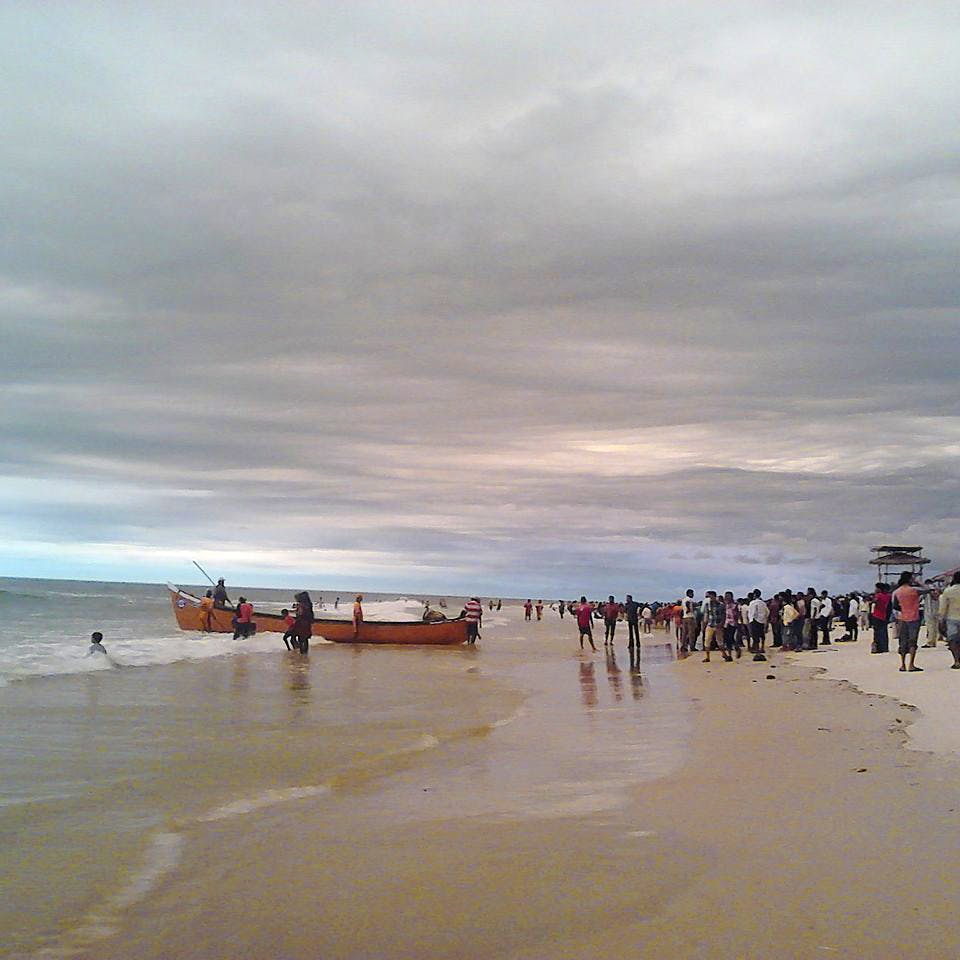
x,y
299,622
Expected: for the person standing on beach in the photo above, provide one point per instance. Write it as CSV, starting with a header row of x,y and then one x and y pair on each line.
x,y
758,613
731,626
774,606
853,617
539,609
357,617
906,599
949,617
931,617
561,608
790,618
647,615
676,614
611,610
688,622
303,625
825,618
631,610
713,614
880,612
585,622
473,611
527,609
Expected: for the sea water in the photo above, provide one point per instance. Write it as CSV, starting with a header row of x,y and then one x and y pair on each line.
x,y
115,769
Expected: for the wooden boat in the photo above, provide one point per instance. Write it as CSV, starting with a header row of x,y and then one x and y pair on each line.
x,y
186,608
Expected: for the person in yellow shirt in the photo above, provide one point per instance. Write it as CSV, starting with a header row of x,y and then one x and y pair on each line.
x,y
206,613
950,617
357,615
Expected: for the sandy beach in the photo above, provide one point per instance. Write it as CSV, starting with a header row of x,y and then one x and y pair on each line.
x,y
794,824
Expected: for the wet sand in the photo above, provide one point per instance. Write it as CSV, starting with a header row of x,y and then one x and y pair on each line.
x,y
817,833
799,827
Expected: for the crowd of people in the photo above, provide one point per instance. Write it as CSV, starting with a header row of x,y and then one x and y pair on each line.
x,y
791,620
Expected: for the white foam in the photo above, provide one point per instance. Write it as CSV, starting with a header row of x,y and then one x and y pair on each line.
x,y
269,798
161,857
49,652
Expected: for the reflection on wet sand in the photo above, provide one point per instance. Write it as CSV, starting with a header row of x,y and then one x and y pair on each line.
x,y
614,677
588,685
636,680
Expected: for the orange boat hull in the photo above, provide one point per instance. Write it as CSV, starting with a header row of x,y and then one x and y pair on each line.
x,y
186,608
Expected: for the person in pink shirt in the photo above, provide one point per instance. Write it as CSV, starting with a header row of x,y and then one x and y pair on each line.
x,y
527,609
585,622
906,599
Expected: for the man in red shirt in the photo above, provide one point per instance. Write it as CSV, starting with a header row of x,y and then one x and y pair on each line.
x,y
584,622
243,626
611,610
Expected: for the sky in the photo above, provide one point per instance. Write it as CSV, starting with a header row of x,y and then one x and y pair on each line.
x,y
509,298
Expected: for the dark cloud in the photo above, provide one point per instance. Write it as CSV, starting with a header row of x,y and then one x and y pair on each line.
x,y
521,299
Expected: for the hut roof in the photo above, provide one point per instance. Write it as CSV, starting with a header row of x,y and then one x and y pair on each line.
x,y
899,558
895,549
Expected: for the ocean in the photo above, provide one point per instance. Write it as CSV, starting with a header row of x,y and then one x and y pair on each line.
x,y
134,784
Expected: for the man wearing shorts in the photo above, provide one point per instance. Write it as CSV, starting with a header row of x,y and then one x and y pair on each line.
x,y
949,616
906,599
584,622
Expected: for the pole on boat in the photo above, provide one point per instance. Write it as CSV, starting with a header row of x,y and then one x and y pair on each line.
x,y
204,572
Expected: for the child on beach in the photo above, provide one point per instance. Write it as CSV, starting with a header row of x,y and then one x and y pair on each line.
x,y
97,648
539,609
96,644
289,621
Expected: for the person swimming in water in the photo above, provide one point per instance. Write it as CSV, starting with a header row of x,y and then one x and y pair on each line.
x,y
97,649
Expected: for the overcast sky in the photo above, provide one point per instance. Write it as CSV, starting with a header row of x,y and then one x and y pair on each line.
x,y
514,298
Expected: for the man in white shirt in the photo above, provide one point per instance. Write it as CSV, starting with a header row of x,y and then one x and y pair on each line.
x,y
688,612
810,621
758,613
853,616
825,616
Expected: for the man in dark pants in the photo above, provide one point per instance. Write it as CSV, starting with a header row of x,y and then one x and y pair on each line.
x,y
611,610
825,618
631,610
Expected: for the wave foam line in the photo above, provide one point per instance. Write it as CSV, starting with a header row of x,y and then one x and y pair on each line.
x,y
269,798
162,856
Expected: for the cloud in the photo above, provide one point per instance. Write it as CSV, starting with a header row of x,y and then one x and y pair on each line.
x,y
521,298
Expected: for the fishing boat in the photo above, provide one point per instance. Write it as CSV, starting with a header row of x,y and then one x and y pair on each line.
x,y
186,608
